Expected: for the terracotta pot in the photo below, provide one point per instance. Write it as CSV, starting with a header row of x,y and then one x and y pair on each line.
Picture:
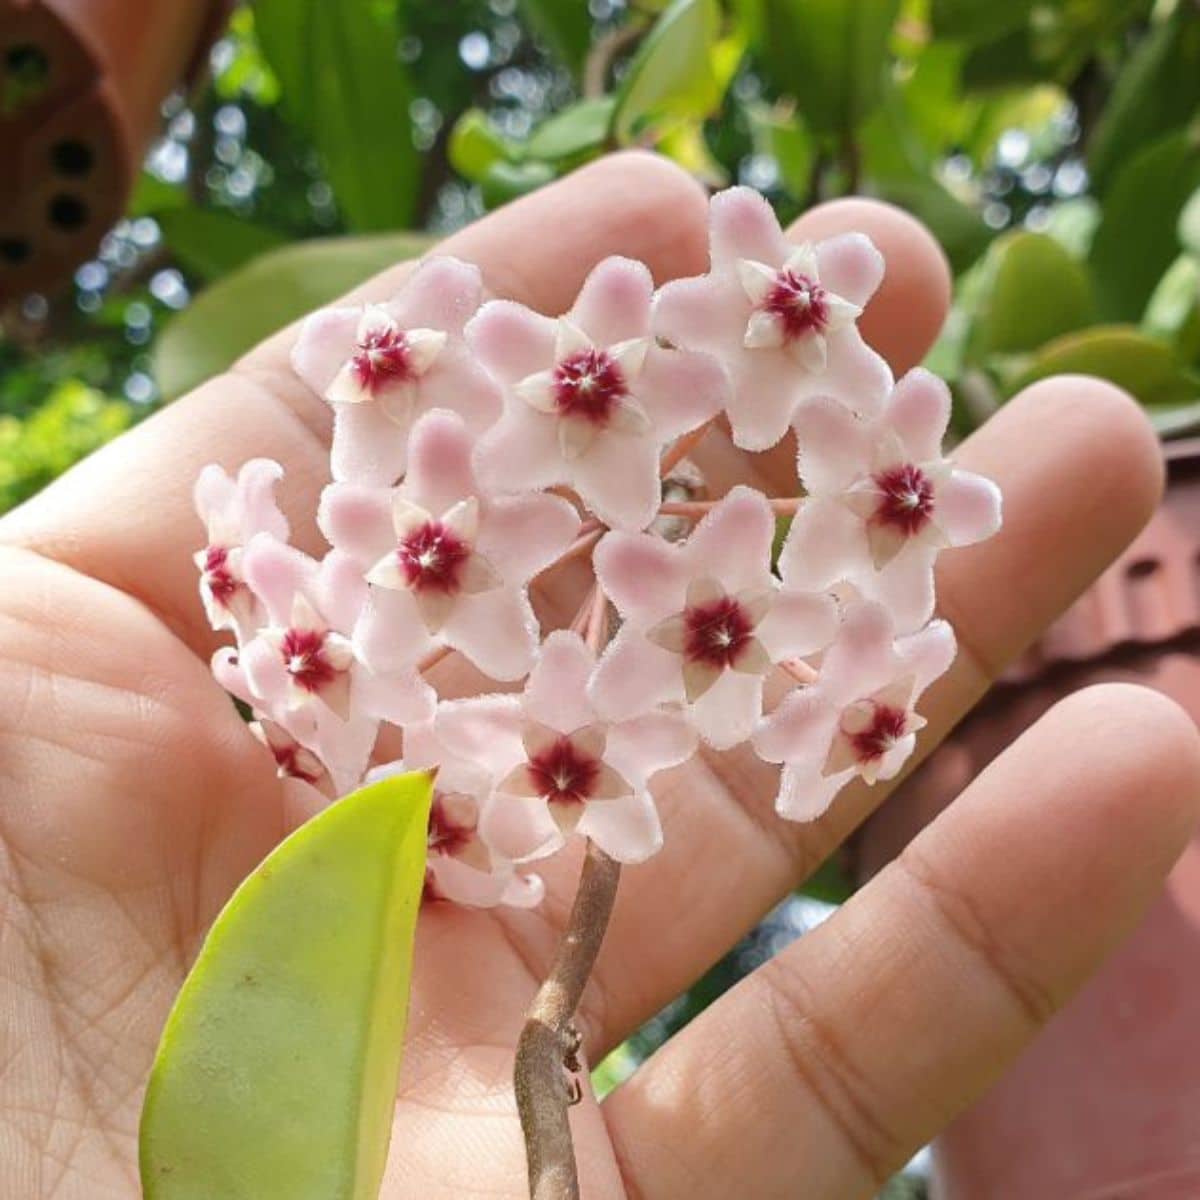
x,y
81,86
1106,1103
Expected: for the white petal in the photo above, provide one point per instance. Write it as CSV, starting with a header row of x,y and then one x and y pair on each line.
x,y
463,519
397,400
629,417
841,312
670,634
809,351
803,260
698,677
753,659
435,608
757,279
304,616
345,388
375,320
338,651
569,339
704,591
424,346
764,331
386,573
478,575
885,541
575,437
627,829
538,391
407,517
630,356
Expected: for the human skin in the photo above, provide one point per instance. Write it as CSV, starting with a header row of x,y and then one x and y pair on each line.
x,y
134,800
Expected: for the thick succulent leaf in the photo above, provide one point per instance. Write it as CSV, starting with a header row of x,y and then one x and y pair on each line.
x,y
276,1074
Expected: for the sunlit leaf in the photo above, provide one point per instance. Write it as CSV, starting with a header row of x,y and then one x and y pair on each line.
x,y
1189,224
210,242
238,311
505,181
1174,309
476,145
276,1075
780,134
671,74
346,90
575,130
1137,239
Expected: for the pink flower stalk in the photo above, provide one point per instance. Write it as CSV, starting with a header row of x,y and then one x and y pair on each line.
x,y
233,511
882,500
705,620
447,564
591,399
859,718
382,366
557,768
780,317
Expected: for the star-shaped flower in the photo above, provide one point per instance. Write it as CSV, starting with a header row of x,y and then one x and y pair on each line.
x,y
447,564
460,865
233,511
704,620
780,317
859,718
557,768
292,760
591,399
883,502
381,367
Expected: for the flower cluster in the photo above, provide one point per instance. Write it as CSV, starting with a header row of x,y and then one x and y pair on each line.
x,y
481,450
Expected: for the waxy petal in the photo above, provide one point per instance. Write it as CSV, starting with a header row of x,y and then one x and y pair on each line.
x,y
613,305
645,577
358,521
556,694
967,508
496,630
850,266
733,541
326,341
627,829
512,340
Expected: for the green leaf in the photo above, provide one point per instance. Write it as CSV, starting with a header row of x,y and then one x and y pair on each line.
x,y
1176,420
210,242
1035,292
1174,309
1189,224
672,73
831,55
564,25
830,882
505,181
959,229
1157,90
476,145
978,20
276,1075
1136,240
781,135
576,130
1144,366
345,89
237,312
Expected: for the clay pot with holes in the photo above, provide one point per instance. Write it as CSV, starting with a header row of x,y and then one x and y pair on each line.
x,y
81,87
1105,1105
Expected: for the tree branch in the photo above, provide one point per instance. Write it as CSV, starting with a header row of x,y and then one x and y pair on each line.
x,y
549,1043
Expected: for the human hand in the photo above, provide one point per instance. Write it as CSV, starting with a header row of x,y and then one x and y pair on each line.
x,y
135,800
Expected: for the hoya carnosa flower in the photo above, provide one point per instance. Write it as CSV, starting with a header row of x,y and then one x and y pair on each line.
x,y
780,317
591,398
233,511
883,501
381,367
558,768
292,759
859,719
460,865
704,620
446,564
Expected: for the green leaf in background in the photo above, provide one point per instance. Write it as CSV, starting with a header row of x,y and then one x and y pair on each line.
x,y
780,134
1144,366
505,181
276,1075
1174,310
671,74
210,243
830,54
564,25
1136,241
236,313
345,89
1035,291
1157,90
576,130
978,20
476,145
1189,224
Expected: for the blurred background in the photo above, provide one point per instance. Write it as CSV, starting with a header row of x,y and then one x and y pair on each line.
x,y
284,150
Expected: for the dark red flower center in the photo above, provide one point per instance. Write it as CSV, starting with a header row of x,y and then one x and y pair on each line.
x,y
800,303
432,558
448,833
221,580
303,652
564,774
381,358
888,725
588,384
906,499
716,633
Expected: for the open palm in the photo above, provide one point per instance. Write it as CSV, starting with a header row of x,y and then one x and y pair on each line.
x,y
133,801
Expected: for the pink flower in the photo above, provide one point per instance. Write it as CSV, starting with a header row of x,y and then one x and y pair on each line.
x,y
883,502
704,620
301,669
859,718
233,512
461,866
557,768
446,564
292,760
591,399
382,366
780,317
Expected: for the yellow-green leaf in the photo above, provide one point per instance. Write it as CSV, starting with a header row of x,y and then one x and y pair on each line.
x,y
276,1075
237,312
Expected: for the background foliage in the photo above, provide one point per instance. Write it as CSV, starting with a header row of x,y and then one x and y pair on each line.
x,y
1052,145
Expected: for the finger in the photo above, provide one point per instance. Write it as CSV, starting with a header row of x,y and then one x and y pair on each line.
x,y
124,515
1081,473
901,321
840,1058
